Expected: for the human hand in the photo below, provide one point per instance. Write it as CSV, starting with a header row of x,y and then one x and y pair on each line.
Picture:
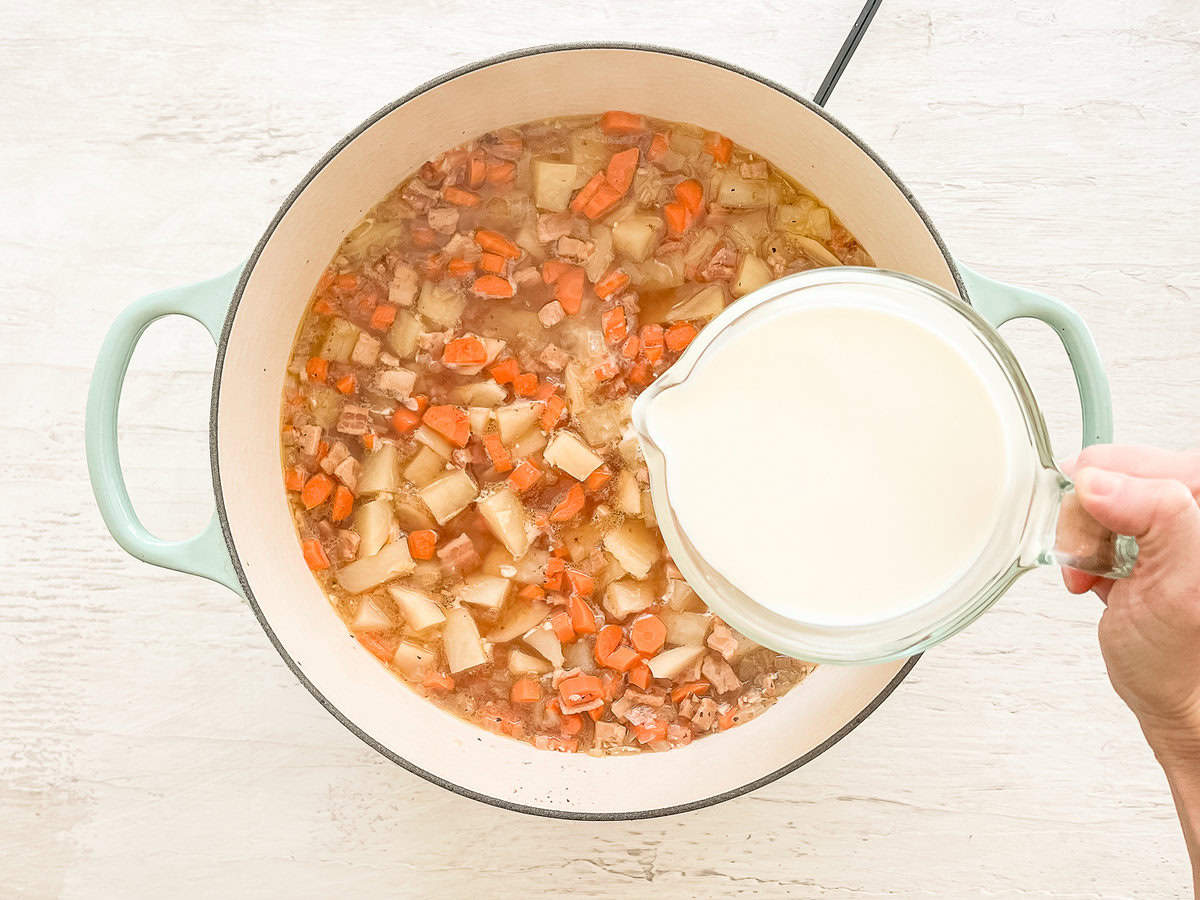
x,y
1150,629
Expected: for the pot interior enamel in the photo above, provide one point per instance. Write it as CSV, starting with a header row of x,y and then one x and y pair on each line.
x,y
259,336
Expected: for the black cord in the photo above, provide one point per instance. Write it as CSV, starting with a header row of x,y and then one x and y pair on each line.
x,y
848,47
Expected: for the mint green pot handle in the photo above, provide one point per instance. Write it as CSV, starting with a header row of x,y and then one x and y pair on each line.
x,y
999,303
205,554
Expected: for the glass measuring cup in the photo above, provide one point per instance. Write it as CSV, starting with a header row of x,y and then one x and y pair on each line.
x,y
1040,522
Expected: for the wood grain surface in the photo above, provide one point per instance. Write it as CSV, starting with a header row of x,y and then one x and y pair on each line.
x,y
151,741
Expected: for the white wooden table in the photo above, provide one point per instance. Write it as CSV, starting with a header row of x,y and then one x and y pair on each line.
x,y
151,741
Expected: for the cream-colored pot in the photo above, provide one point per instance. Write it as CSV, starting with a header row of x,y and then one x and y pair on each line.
x,y
253,314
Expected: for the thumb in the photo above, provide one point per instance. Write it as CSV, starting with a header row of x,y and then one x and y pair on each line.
x,y
1157,511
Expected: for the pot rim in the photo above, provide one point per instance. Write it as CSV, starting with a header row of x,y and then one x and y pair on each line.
x,y
223,344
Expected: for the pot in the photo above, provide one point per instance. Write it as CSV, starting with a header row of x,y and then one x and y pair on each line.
x,y
252,313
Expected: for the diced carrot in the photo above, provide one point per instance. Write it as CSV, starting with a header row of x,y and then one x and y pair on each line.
x,y
378,646
545,390
465,351
652,342
422,403
343,503
555,568
623,659
611,283
606,370
314,555
525,385
560,623
476,169
614,324
368,440
576,690
559,549
655,730
641,677
718,146
323,307
525,690
451,422
316,490
322,450
524,476
460,197
629,349
552,269
383,317
678,216
617,122
570,506
571,724
597,479
583,620
493,286
648,634
294,478
438,681
568,289
503,172
659,145
605,198
346,384
688,689
532,592
621,169
587,192
679,335
422,544
431,267
691,194
317,368
493,262
729,718
596,712
425,238
495,242
497,452
553,412
405,420
347,281
505,371
607,640
581,583
460,268
640,374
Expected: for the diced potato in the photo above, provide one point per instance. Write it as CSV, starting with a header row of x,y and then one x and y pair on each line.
x,y
704,304
434,441
379,471
479,417
819,224
578,382
581,539
529,443
579,655
648,514
634,546
745,645
412,514
517,418
420,611
441,304
461,642
679,596
479,393
626,597
553,183
572,455
428,573
686,628
413,661
636,236
370,617
630,449
656,274
670,663
373,522
426,465
449,495
521,663
628,495
505,515
752,273
339,341
794,216
363,574
326,405
603,422
543,640
747,229
686,141
817,251
402,337
517,618
736,192
590,151
485,591
701,247
602,253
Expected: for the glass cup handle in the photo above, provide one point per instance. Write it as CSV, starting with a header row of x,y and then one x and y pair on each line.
x,y
1080,542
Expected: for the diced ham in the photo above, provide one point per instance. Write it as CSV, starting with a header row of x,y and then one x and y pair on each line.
x,y
720,674
397,383
308,439
552,226
337,453
687,706
347,472
679,735
756,169
353,420
642,715
325,531
722,639
346,546
433,342
620,708
720,266
418,195
474,455
666,248
526,277
705,716
692,672
555,358
386,359
366,349
463,247
573,248
551,314
405,284
460,555
443,219
571,709
644,699
610,733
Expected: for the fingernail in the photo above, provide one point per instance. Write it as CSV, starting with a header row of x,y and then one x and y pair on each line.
x,y
1097,482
